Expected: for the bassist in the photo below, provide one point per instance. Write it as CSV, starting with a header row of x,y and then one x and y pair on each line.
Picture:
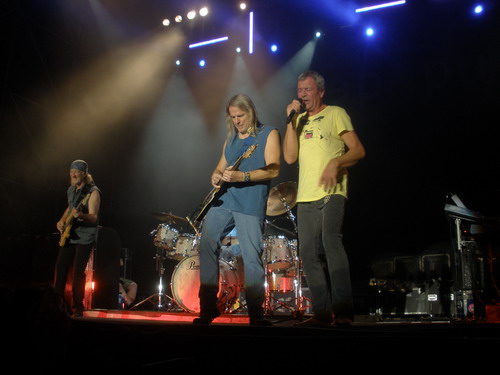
x,y
79,224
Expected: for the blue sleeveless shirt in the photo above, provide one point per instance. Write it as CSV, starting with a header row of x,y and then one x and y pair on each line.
x,y
249,198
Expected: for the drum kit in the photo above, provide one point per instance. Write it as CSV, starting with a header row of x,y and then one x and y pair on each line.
x,y
176,238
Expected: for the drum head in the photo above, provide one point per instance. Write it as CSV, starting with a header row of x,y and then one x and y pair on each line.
x,y
185,285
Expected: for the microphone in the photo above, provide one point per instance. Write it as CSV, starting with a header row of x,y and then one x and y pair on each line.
x,y
292,113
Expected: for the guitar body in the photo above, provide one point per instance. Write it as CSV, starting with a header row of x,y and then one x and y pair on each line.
x,y
69,221
197,215
65,234
200,212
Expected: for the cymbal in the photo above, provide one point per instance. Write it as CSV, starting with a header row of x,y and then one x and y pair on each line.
x,y
169,217
281,197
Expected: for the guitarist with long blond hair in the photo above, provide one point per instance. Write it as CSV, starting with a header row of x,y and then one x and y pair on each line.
x,y
241,204
78,228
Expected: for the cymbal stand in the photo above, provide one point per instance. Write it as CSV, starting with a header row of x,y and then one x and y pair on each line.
x,y
290,215
160,297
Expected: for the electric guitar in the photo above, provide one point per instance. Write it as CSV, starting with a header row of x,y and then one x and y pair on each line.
x,y
69,220
197,215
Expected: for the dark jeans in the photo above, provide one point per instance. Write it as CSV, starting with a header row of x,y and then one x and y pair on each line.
x,y
78,256
320,245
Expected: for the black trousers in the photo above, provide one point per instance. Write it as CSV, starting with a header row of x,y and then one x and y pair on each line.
x,y
78,257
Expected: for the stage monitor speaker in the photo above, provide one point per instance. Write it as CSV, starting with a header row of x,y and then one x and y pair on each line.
x,y
106,269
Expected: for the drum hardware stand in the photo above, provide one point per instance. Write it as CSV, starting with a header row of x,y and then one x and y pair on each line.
x,y
298,310
160,296
290,215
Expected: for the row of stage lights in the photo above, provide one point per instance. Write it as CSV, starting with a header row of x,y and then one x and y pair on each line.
x,y
192,14
370,32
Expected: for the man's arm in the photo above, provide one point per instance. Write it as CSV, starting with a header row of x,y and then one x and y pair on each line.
x,y
291,140
62,221
334,168
272,155
219,169
93,205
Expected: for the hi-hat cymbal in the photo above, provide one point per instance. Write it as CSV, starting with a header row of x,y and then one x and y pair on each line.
x,y
281,198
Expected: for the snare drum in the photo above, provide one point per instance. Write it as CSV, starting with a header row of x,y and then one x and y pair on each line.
x,y
277,253
185,285
166,237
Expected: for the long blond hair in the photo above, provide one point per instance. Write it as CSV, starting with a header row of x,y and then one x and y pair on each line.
x,y
244,103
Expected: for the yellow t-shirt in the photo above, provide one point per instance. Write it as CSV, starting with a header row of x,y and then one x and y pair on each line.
x,y
319,142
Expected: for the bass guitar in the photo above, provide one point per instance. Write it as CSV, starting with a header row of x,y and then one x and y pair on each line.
x,y
69,220
197,215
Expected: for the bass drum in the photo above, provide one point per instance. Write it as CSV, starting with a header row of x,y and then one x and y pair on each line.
x,y
185,285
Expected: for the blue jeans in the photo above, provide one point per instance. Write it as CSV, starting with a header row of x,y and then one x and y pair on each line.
x,y
218,223
320,244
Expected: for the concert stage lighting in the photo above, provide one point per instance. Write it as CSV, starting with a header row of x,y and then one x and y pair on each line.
x,y
274,48
318,34
178,18
370,31
202,63
191,14
178,62
379,6
166,22
238,49
478,9
243,6
203,11
250,33
207,42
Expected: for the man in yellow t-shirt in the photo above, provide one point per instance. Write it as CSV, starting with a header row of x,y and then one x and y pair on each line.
x,y
323,141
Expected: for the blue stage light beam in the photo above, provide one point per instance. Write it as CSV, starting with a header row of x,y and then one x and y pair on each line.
x,y
207,42
380,6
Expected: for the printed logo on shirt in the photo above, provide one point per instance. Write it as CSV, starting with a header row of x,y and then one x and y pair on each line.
x,y
308,134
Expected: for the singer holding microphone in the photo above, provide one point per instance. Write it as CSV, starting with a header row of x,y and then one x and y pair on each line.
x,y
323,141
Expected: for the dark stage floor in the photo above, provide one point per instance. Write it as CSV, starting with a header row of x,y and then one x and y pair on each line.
x,y
144,342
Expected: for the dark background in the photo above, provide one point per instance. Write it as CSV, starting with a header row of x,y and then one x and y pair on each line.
x,y
423,95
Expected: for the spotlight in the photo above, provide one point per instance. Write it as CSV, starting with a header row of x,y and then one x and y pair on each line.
x,y
369,31
238,49
318,34
166,22
178,18
203,11
178,62
274,48
191,14
243,6
202,63
478,9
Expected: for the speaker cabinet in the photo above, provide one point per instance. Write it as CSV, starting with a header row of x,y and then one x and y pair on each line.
x,y
106,269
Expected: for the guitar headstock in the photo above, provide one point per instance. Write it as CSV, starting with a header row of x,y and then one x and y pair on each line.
x,y
249,151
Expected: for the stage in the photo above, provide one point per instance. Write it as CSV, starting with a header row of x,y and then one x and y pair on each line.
x,y
143,342
147,342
